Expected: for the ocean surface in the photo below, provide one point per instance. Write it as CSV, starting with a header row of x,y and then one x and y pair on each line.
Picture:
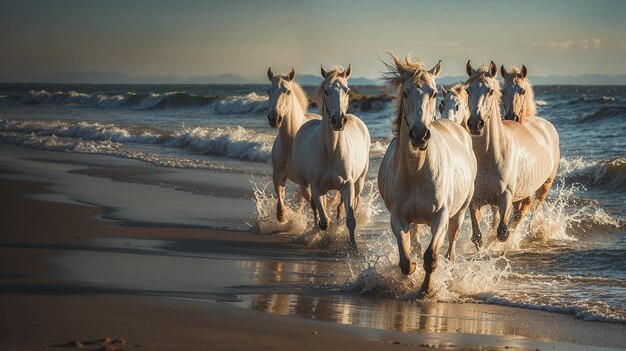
x,y
568,257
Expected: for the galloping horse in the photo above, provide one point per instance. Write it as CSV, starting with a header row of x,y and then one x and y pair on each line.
x,y
454,104
333,153
514,160
427,174
519,104
288,105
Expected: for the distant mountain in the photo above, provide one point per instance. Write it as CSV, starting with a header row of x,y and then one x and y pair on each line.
x,y
113,77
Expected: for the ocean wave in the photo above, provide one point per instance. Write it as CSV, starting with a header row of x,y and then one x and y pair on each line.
x,y
174,99
594,100
233,142
604,113
250,103
607,174
541,102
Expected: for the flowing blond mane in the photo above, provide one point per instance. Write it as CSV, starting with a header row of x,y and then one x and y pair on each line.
x,y
397,74
482,74
529,109
331,75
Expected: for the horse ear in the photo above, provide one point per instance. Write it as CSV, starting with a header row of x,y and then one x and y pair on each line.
x,y
323,71
270,74
435,70
468,68
493,70
346,74
443,91
292,74
503,71
524,71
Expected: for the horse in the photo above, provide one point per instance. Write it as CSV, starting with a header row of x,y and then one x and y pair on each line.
x,y
519,106
427,173
288,112
514,160
454,104
333,153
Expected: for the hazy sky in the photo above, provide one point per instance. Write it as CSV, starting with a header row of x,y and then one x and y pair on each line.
x,y
188,38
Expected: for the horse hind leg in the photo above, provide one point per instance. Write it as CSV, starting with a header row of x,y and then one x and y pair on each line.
x,y
454,229
542,192
520,208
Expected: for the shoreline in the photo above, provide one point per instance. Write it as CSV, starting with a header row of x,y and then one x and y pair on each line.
x,y
29,278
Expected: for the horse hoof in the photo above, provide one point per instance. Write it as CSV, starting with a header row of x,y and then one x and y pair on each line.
x,y
323,225
503,232
478,241
424,292
408,270
280,216
352,247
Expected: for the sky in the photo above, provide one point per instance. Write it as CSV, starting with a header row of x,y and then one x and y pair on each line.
x,y
188,38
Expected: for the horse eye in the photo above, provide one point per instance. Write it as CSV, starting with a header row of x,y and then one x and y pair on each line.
x,y
434,95
441,107
288,92
456,107
347,91
490,92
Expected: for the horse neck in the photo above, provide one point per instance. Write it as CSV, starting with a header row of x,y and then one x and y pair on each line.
x,y
527,110
292,122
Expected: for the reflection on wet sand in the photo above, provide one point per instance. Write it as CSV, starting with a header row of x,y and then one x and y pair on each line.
x,y
381,313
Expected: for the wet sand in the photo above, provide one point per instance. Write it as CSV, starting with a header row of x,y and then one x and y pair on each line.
x,y
48,249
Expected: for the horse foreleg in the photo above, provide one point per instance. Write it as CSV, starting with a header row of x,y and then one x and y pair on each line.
x,y
505,204
477,236
320,203
431,255
279,187
454,228
347,195
400,228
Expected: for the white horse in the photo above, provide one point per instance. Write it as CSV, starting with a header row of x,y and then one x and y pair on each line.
x,y
514,160
454,104
288,106
519,105
427,174
333,153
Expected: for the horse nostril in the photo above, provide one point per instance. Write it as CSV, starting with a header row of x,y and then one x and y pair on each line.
x,y
481,124
411,134
516,119
426,135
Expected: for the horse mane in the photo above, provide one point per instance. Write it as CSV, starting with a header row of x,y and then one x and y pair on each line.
x,y
459,91
330,76
482,74
297,90
530,109
397,74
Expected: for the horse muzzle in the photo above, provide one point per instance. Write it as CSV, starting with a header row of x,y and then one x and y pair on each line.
x,y
338,124
275,120
476,127
419,140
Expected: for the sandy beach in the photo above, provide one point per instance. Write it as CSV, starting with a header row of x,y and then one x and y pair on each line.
x,y
69,272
